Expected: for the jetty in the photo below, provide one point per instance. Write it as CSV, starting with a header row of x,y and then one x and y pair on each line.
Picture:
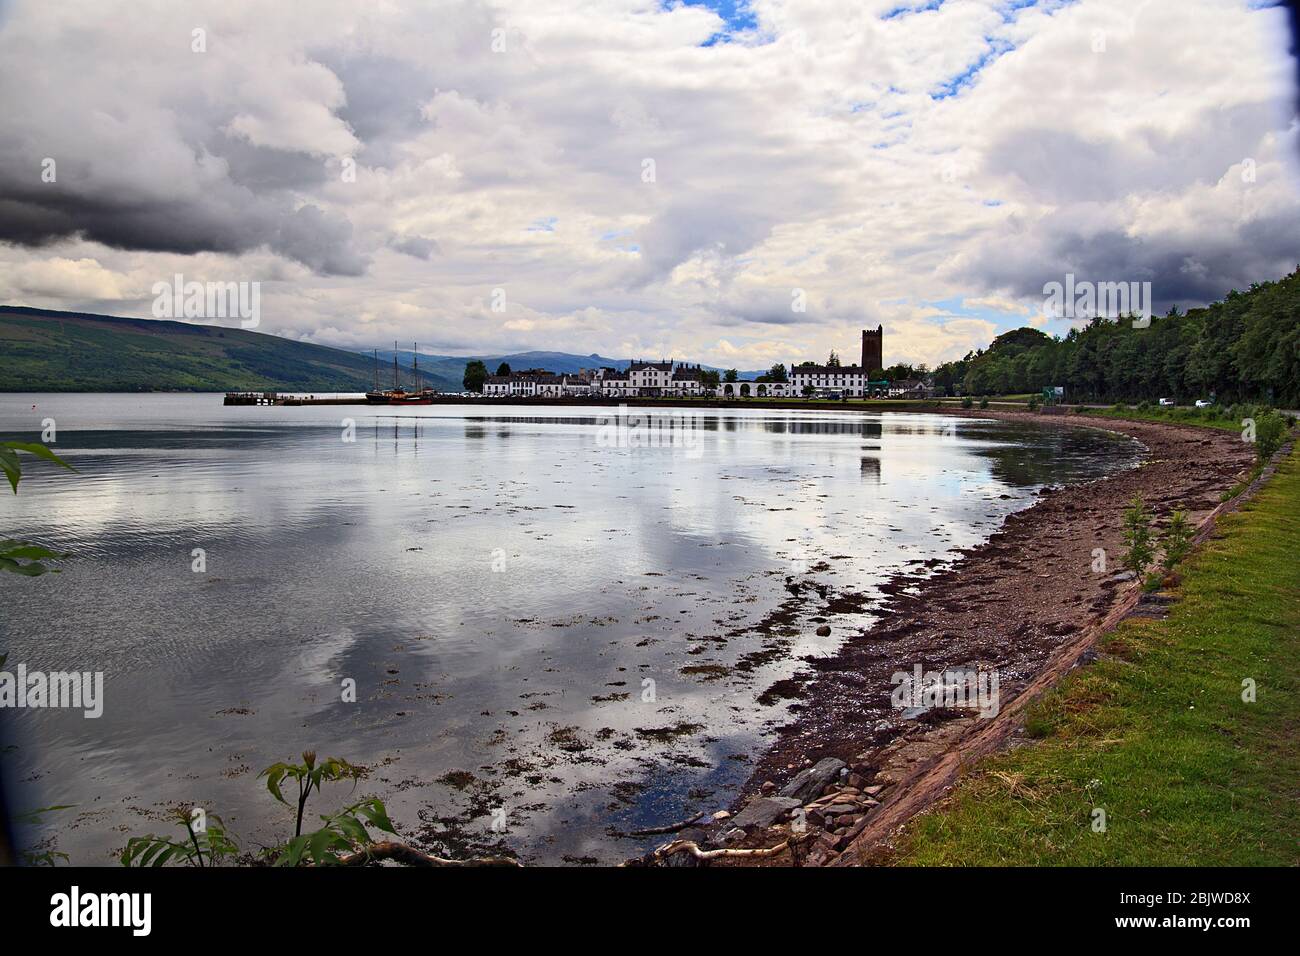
x,y
275,398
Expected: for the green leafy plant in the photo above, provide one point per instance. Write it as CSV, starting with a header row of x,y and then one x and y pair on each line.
x,y
21,557
1138,544
44,858
207,847
1270,431
966,402
308,775
1176,541
344,832
39,857
12,466
984,402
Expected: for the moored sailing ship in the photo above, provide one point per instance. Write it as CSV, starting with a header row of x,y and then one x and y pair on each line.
x,y
398,394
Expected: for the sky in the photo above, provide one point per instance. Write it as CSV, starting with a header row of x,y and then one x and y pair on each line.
x,y
739,182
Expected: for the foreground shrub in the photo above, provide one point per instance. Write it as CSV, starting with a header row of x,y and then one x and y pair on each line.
x,y
1139,548
1270,432
1177,540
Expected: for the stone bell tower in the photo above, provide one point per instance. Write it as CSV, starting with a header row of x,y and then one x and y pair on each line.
x,y
873,349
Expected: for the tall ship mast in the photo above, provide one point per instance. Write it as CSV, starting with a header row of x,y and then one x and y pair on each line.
x,y
425,390
398,395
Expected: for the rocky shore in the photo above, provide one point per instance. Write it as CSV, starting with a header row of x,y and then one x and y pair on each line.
x,y
1026,605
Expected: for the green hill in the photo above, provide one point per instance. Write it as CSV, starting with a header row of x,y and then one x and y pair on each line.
x,y
47,351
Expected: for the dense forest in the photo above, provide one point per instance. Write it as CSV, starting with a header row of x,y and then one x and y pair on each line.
x,y
1245,348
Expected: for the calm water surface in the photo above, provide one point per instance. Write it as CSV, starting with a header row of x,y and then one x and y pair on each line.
x,y
566,635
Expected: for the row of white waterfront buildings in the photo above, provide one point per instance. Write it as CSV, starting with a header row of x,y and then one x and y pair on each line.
x,y
637,380
672,379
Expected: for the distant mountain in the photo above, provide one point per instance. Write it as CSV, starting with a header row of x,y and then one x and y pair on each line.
x,y
453,366
42,350
46,351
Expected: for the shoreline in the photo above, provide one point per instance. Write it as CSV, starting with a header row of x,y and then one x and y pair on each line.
x,y
1017,604
1150,709
298,399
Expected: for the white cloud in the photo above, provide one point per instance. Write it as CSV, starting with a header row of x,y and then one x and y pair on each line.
x,y
995,303
57,277
965,153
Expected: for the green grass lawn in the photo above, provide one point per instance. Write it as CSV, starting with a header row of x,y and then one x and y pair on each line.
x,y
1227,418
1156,733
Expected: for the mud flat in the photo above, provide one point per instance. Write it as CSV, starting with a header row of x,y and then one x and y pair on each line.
x,y
1026,604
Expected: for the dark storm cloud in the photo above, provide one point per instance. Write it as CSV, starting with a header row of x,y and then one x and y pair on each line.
x,y
1293,20
1209,238
1183,271
225,150
227,219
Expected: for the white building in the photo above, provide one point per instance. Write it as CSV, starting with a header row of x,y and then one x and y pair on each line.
x,y
641,379
547,385
751,389
535,383
577,386
509,386
909,388
650,378
611,383
830,381
687,381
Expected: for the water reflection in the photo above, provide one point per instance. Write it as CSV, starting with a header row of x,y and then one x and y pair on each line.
x,y
500,605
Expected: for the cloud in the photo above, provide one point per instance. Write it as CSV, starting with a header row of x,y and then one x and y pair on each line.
x,y
383,168
184,151
57,276
420,247
997,304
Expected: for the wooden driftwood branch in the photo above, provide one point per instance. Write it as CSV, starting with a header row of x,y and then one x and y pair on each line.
x,y
409,856
689,846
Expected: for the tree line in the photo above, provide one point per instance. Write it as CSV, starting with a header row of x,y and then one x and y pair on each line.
x,y
1245,348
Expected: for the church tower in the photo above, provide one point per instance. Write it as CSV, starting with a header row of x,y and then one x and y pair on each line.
x,y
873,349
